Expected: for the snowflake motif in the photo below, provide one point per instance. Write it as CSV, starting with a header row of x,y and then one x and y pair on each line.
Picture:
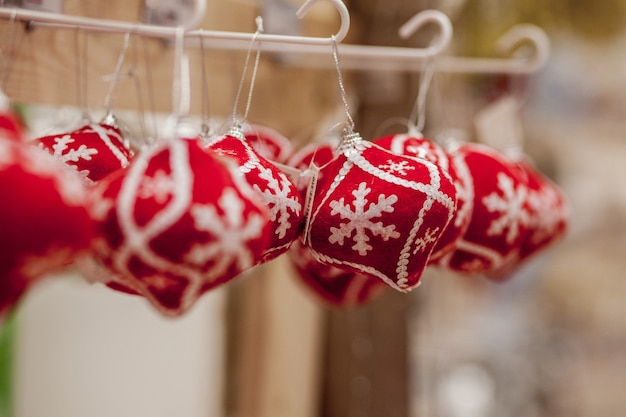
x,y
429,237
65,154
400,168
545,222
511,205
276,196
158,282
160,186
475,264
360,220
418,151
231,234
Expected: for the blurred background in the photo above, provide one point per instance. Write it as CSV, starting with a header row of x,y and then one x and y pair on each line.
x,y
549,342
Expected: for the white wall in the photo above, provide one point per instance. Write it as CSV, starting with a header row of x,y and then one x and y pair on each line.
x,y
87,351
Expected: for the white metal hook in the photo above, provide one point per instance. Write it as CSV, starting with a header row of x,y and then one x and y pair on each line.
x,y
279,43
524,33
507,43
364,57
222,39
343,14
421,19
197,17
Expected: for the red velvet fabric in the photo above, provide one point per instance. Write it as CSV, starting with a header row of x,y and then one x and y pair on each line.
x,y
94,150
10,126
333,286
378,213
176,223
44,220
269,143
499,217
277,191
415,145
318,154
548,218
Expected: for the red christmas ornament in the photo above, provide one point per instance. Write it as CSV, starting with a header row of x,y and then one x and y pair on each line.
x,y
314,154
44,222
548,217
269,143
499,216
549,212
333,286
278,192
10,126
379,213
415,145
94,150
176,223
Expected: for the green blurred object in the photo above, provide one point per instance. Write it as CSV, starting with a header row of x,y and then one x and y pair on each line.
x,y
7,337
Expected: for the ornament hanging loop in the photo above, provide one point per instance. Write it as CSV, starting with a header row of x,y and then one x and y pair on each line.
x,y
417,121
237,123
344,96
109,100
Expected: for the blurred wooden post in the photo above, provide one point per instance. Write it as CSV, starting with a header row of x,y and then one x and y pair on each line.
x,y
276,359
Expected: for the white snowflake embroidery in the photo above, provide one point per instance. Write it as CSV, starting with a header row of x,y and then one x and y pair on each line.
x,y
510,204
400,168
547,214
418,151
231,234
160,186
62,151
474,265
429,237
360,220
158,282
276,196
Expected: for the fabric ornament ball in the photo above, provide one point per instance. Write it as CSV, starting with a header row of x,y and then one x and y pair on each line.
x,y
276,190
176,223
44,219
499,216
548,218
269,143
10,126
94,150
333,286
415,145
312,154
549,212
379,213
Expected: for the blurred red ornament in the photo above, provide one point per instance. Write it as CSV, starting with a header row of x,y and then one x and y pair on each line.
x,y
94,150
176,223
277,191
269,143
44,219
333,286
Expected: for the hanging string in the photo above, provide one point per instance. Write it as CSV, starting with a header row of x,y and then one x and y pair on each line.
x,y
418,114
205,110
180,85
138,90
344,96
81,75
117,76
151,98
259,30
